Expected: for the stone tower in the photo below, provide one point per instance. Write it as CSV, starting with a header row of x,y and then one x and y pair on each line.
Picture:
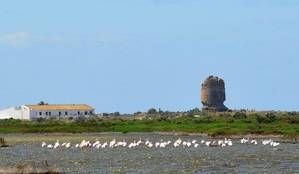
x,y
213,94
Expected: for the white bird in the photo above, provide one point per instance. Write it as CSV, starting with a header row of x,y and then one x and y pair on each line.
x,y
50,146
139,142
202,141
104,145
196,145
194,141
208,143
266,142
95,143
179,141
229,143
253,142
44,144
225,141
150,145
131,145
124,144
112,143
56,145
68,145
83,144
98,146
163,145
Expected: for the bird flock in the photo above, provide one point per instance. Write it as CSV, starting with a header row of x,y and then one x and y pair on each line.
x,y
158,144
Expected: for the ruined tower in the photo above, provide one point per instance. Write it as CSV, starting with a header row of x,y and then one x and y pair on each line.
x,y
213,94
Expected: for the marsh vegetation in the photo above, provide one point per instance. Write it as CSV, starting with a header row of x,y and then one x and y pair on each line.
x,y
222,123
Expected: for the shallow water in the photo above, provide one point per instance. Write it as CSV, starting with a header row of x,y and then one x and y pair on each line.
x,y
239,158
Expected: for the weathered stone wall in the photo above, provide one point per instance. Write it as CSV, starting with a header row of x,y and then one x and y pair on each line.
x,y
213,94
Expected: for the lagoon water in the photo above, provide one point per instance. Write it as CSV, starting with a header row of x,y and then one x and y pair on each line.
x,y
239,158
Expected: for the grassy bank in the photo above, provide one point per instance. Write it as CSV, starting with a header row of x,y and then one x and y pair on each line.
x,y
211,123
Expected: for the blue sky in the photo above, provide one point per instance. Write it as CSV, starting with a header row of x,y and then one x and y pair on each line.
x,y
132,55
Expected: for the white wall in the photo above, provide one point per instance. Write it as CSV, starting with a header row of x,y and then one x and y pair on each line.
x,y
55,114
15,113
24,113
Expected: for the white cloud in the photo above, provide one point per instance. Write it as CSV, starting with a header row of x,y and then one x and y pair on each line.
x,y
21,39
15,39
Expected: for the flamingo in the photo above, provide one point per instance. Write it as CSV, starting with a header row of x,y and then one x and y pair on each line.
x,y
150,145
175,144
229,143
112,143
44,144
56,145
104,145
50,146
208,143
68,145
253,142
95,143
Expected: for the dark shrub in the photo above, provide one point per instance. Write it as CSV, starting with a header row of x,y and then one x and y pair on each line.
x,y
70,118
194,111
80,119
268,118
40,119
271,117
247,121
239,115
152,111
230,120
137,113
261,119
292,119
115,114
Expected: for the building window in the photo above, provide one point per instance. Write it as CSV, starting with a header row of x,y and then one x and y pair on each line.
x,y
86,112
46,113
40,113
90,112
79,113
50,113
59,113
65,113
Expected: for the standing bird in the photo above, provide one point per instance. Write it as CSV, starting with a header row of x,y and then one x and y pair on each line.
x,y
50,146
56,145
68,145
112,143
44,144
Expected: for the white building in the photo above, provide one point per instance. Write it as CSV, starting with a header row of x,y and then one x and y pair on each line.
x,y
28,112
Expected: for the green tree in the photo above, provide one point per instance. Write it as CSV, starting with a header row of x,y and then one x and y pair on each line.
x,y
152,111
